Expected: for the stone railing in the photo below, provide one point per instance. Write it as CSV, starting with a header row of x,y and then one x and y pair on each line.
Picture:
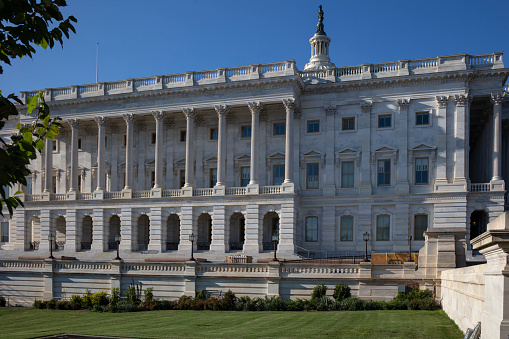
x,y
161,82
405,67
236,190
483,187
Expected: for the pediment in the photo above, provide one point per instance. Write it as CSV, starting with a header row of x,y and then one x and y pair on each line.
x,y
181,162
385,148
313,153
347,151
150,163
212,159
423,147
277,155
245,157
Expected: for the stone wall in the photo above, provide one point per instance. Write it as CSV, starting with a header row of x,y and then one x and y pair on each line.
x,y
463,295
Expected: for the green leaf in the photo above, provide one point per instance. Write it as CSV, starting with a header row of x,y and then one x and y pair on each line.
x,y
32,104
18,125
43,43
39,144
28,137
49,135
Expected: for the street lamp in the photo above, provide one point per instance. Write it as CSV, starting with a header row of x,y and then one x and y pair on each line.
x,y
365,237
409,259
51,239
117,240
275,240
192,239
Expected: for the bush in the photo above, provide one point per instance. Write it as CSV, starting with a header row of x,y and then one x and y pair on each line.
x,y
166,304
63,305
51,304
351,304
184,303
228,300
201,295
40,304
245,303
76,302
149,295
296,305
324,304
319,291
213,304
396,304
275,303
133,293
100,299
86,301
115,296
341,291
3,302
125,306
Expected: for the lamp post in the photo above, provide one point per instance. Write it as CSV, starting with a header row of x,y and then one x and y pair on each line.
x,y
365,237
275,240
192,239
409,259
51,239
117,240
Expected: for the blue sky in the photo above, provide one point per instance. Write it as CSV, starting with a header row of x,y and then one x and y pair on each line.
x,y
146,38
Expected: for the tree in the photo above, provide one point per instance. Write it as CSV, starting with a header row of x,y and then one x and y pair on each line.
x,y
25,24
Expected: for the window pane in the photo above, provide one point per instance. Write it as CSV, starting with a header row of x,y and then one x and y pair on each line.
x,y
346,228
312,176
422,118
213,134
213,177
278,174
313,126
384,172
348,124
245,172
421,171
420,226
183,136
182,178
279,129
245,132
312,229
4,234
384,121
382,227
347,174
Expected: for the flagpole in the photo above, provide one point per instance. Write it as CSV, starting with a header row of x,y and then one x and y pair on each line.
x,y
97,65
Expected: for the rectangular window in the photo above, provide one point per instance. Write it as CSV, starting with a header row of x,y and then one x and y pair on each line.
x,y
55,145
384,121
384,172
279,129
346,232
79,144
383,227
182,178
313,126
347,174
152,178
312,229
214,134
29,186
278,174
4,231
183,136
54,184
213,177
152,138
420,226
421,118
348,124
245,176
312,176
245,131
421,171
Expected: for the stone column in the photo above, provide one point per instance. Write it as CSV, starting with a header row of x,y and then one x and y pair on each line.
x,y
48,166
329,188
186,228
401,125
46,229
460,135
496,99
71,230
156,230
364,130
221,111
129,169
288,184
158,182
441,141
126,230
99,191
218,244
254,183
328,239
286,246
74,158
187,190
252,231
98,241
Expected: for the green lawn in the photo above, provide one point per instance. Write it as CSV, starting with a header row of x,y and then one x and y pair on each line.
x,y
22,322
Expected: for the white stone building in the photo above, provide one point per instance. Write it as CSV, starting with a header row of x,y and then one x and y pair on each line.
x,y
319,156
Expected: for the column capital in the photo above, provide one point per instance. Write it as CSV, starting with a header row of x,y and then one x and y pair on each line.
x,y
366,106
101,121
254,107
221,110
496,98
158,115
461,100
442,101
128,117
73,122
330,110
403,104
289,104
189,112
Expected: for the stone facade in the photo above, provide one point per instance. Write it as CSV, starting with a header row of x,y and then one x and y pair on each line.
x,y
233,155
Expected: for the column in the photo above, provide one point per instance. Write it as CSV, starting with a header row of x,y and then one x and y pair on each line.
x,y
364,130
441,141
46,229
496,99
156,229
252,231
329,188
288,183
98,241
286,246
101,122
158,182
401,125
218,244
186,228
460,135
71,222
48,166
126,230
74,154
221,111
129,119
254,182
189,178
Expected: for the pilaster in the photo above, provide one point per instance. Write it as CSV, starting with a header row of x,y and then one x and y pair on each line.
x,y
190,114
401,124
496,181
364,130
156,230
253,187
45,230
158,182
289,107
71,228
126,230
286,246
328,228
460,134
253,230
98,241
129,168
186,228
441,179
329,189
218,244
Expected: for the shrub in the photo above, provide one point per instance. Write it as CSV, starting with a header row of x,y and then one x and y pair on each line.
x,y
40,304
100,298
324,304
296,305
373,305
275,303
149,295
51,304
76,302
341,291
125,306
319,291
245,303
115,296
166,304
396,304
63,305
86,301
351,304
133,293
201,295
213,304
3,302
184,303
228,300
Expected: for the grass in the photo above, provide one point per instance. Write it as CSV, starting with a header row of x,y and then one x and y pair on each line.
x,y
23,322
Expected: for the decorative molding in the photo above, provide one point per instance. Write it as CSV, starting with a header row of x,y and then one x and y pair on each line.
x,y
442,101
461,100
289,104
330,110
73,122
497,98
170,123
348,154
366,107
297,113
311,156
129,118
263,115
254,107
158,115
230,118
101,120
384,151
89,130
221,110
403,104
189,112
199,121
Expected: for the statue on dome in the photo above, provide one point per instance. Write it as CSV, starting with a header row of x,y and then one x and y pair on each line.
x,y
319,26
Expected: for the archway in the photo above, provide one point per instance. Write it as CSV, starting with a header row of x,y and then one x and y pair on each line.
x,y
478,223
113,231
143,235
33,233
270,227
204,232
237,231
60,228
86,233
172,232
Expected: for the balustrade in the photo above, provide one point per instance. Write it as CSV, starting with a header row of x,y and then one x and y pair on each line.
x,y
483,187
236,190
